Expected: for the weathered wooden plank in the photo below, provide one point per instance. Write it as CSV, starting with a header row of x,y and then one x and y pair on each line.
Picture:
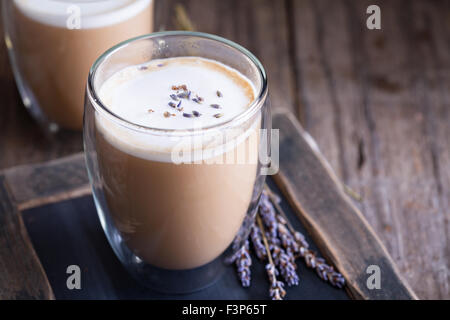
x,y
376,103
22,275
430,35
337,226
37,184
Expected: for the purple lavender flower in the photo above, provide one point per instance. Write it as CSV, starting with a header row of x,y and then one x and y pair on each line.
x,y
268,216
284,260
276,290
285,265
243,261
258,245
287,240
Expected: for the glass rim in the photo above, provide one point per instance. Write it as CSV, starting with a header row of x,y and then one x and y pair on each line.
x,y
254,106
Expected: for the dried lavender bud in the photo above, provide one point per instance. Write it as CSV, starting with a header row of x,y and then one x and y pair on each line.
x,y
276,290
160,65
196,113
187,115
255,235
272,273
215,106
174,97
324,271
180,87
285,265
268,216
281,219
301,240
179,104
287,269
184,95
197,100
142,68
219,94
218,115
171,104
288,242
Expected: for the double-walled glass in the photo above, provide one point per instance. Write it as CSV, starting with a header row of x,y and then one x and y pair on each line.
x,y
53,43
174,204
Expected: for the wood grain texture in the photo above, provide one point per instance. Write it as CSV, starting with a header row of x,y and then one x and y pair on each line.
x,y
377,102
37,184
337,226
22,275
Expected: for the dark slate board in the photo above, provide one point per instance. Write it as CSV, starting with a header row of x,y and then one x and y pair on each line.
x,y
69,232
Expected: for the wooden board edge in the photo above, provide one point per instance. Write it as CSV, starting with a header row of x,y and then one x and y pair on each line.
x,y
327,249
22,275
37,184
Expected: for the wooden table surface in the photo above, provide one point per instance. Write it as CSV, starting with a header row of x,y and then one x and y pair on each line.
x,y
376,101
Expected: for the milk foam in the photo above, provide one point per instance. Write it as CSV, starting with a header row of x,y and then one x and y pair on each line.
x,y
154,95
94,14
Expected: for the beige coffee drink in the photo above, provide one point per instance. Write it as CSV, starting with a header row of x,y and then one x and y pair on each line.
x,y
57,41
177,202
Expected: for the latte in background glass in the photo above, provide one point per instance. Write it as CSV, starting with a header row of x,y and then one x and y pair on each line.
x,y
53,43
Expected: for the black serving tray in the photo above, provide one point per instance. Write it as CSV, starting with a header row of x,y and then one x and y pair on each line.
x,y
69,233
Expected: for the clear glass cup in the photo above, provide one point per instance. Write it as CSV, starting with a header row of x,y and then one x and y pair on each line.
x,y
53,43
173,224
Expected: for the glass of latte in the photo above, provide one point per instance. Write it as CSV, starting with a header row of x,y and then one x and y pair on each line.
x,y
175,130
53,43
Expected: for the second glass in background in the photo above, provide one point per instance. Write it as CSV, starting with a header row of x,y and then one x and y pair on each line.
x,y
53,43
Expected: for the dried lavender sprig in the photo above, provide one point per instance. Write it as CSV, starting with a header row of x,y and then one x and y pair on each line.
x,y
284,260
255,235
276,289
243,261
287,240
324,271
268,216
286,266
